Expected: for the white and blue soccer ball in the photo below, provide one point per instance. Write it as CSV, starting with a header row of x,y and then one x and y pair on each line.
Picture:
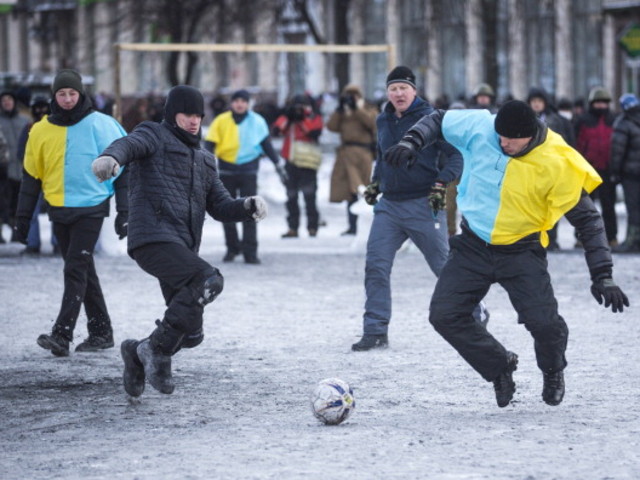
x,y
332,401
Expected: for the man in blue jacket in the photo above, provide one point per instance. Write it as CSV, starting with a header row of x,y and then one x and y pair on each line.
x,y
411,206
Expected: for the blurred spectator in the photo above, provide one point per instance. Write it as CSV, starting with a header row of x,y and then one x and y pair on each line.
x,y
484,97
136,114
40,107
625,167
11,123
356,124
593,140
218,105
239,138
301,127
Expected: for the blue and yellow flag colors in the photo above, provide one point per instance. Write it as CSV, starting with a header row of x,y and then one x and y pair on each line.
x,y
61,158
238,143
505,199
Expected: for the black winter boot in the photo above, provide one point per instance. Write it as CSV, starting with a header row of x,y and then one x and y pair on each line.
x,y
367,342
133,375
553,388
94,343
155,355
58,345
504,385
631,243
157,367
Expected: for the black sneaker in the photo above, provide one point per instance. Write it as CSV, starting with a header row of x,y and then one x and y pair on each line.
x,y
93,343
133,376
252,260
229,256
553,388
58,345
504,385
367,342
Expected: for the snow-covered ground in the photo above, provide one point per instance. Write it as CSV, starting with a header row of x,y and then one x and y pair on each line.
x,y
241,408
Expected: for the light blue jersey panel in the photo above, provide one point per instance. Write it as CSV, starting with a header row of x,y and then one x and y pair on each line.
x,y
472,132
85,142
253,130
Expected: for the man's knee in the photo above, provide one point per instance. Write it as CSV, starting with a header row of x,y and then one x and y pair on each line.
x,y
208,286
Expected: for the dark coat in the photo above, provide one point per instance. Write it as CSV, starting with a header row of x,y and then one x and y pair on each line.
x,y
171,186
625,145
593,137
403,183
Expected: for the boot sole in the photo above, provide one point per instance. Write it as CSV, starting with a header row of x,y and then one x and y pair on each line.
x,y
54,348
133,375
81,348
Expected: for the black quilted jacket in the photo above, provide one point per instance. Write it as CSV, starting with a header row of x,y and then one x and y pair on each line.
x,y
625,145
171,186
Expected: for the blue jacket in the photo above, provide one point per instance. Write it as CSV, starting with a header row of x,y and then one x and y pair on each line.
x,y
406,184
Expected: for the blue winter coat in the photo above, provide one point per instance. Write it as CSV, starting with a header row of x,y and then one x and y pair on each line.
x,y
403,183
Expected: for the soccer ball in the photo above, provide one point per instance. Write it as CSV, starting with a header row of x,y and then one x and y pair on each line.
x,y
332,401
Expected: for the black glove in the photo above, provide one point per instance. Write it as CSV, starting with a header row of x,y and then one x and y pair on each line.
x,y
351,102
405,152
437,197
341,105
121,224
371,193
607,290
21,229
282,173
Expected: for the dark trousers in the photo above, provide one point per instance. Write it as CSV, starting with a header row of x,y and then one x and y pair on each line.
x,y
181,273
303,180
81,285
472,267
606,194
241,186
631,189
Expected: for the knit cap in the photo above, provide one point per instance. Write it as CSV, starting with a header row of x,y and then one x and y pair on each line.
x,y
243,94
401,74
67,78
516,119
183,99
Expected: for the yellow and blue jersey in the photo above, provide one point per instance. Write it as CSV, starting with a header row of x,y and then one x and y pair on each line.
x,y
238,143
504,199
61,157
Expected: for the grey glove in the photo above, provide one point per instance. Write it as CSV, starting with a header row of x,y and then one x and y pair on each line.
x,y
257,207
105,167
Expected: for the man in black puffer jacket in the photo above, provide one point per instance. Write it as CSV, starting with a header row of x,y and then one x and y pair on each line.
x,y
625,167
173,183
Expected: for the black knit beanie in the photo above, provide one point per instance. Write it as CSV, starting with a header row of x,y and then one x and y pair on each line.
x,y
183,99
401,74
243,94
516,119
67,78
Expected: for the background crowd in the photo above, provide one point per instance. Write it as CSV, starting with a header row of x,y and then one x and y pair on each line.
x,y
603,129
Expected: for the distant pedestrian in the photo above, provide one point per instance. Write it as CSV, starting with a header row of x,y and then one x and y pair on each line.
x,y
625,167
301,126
356,123
12,122
594,129
239,138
